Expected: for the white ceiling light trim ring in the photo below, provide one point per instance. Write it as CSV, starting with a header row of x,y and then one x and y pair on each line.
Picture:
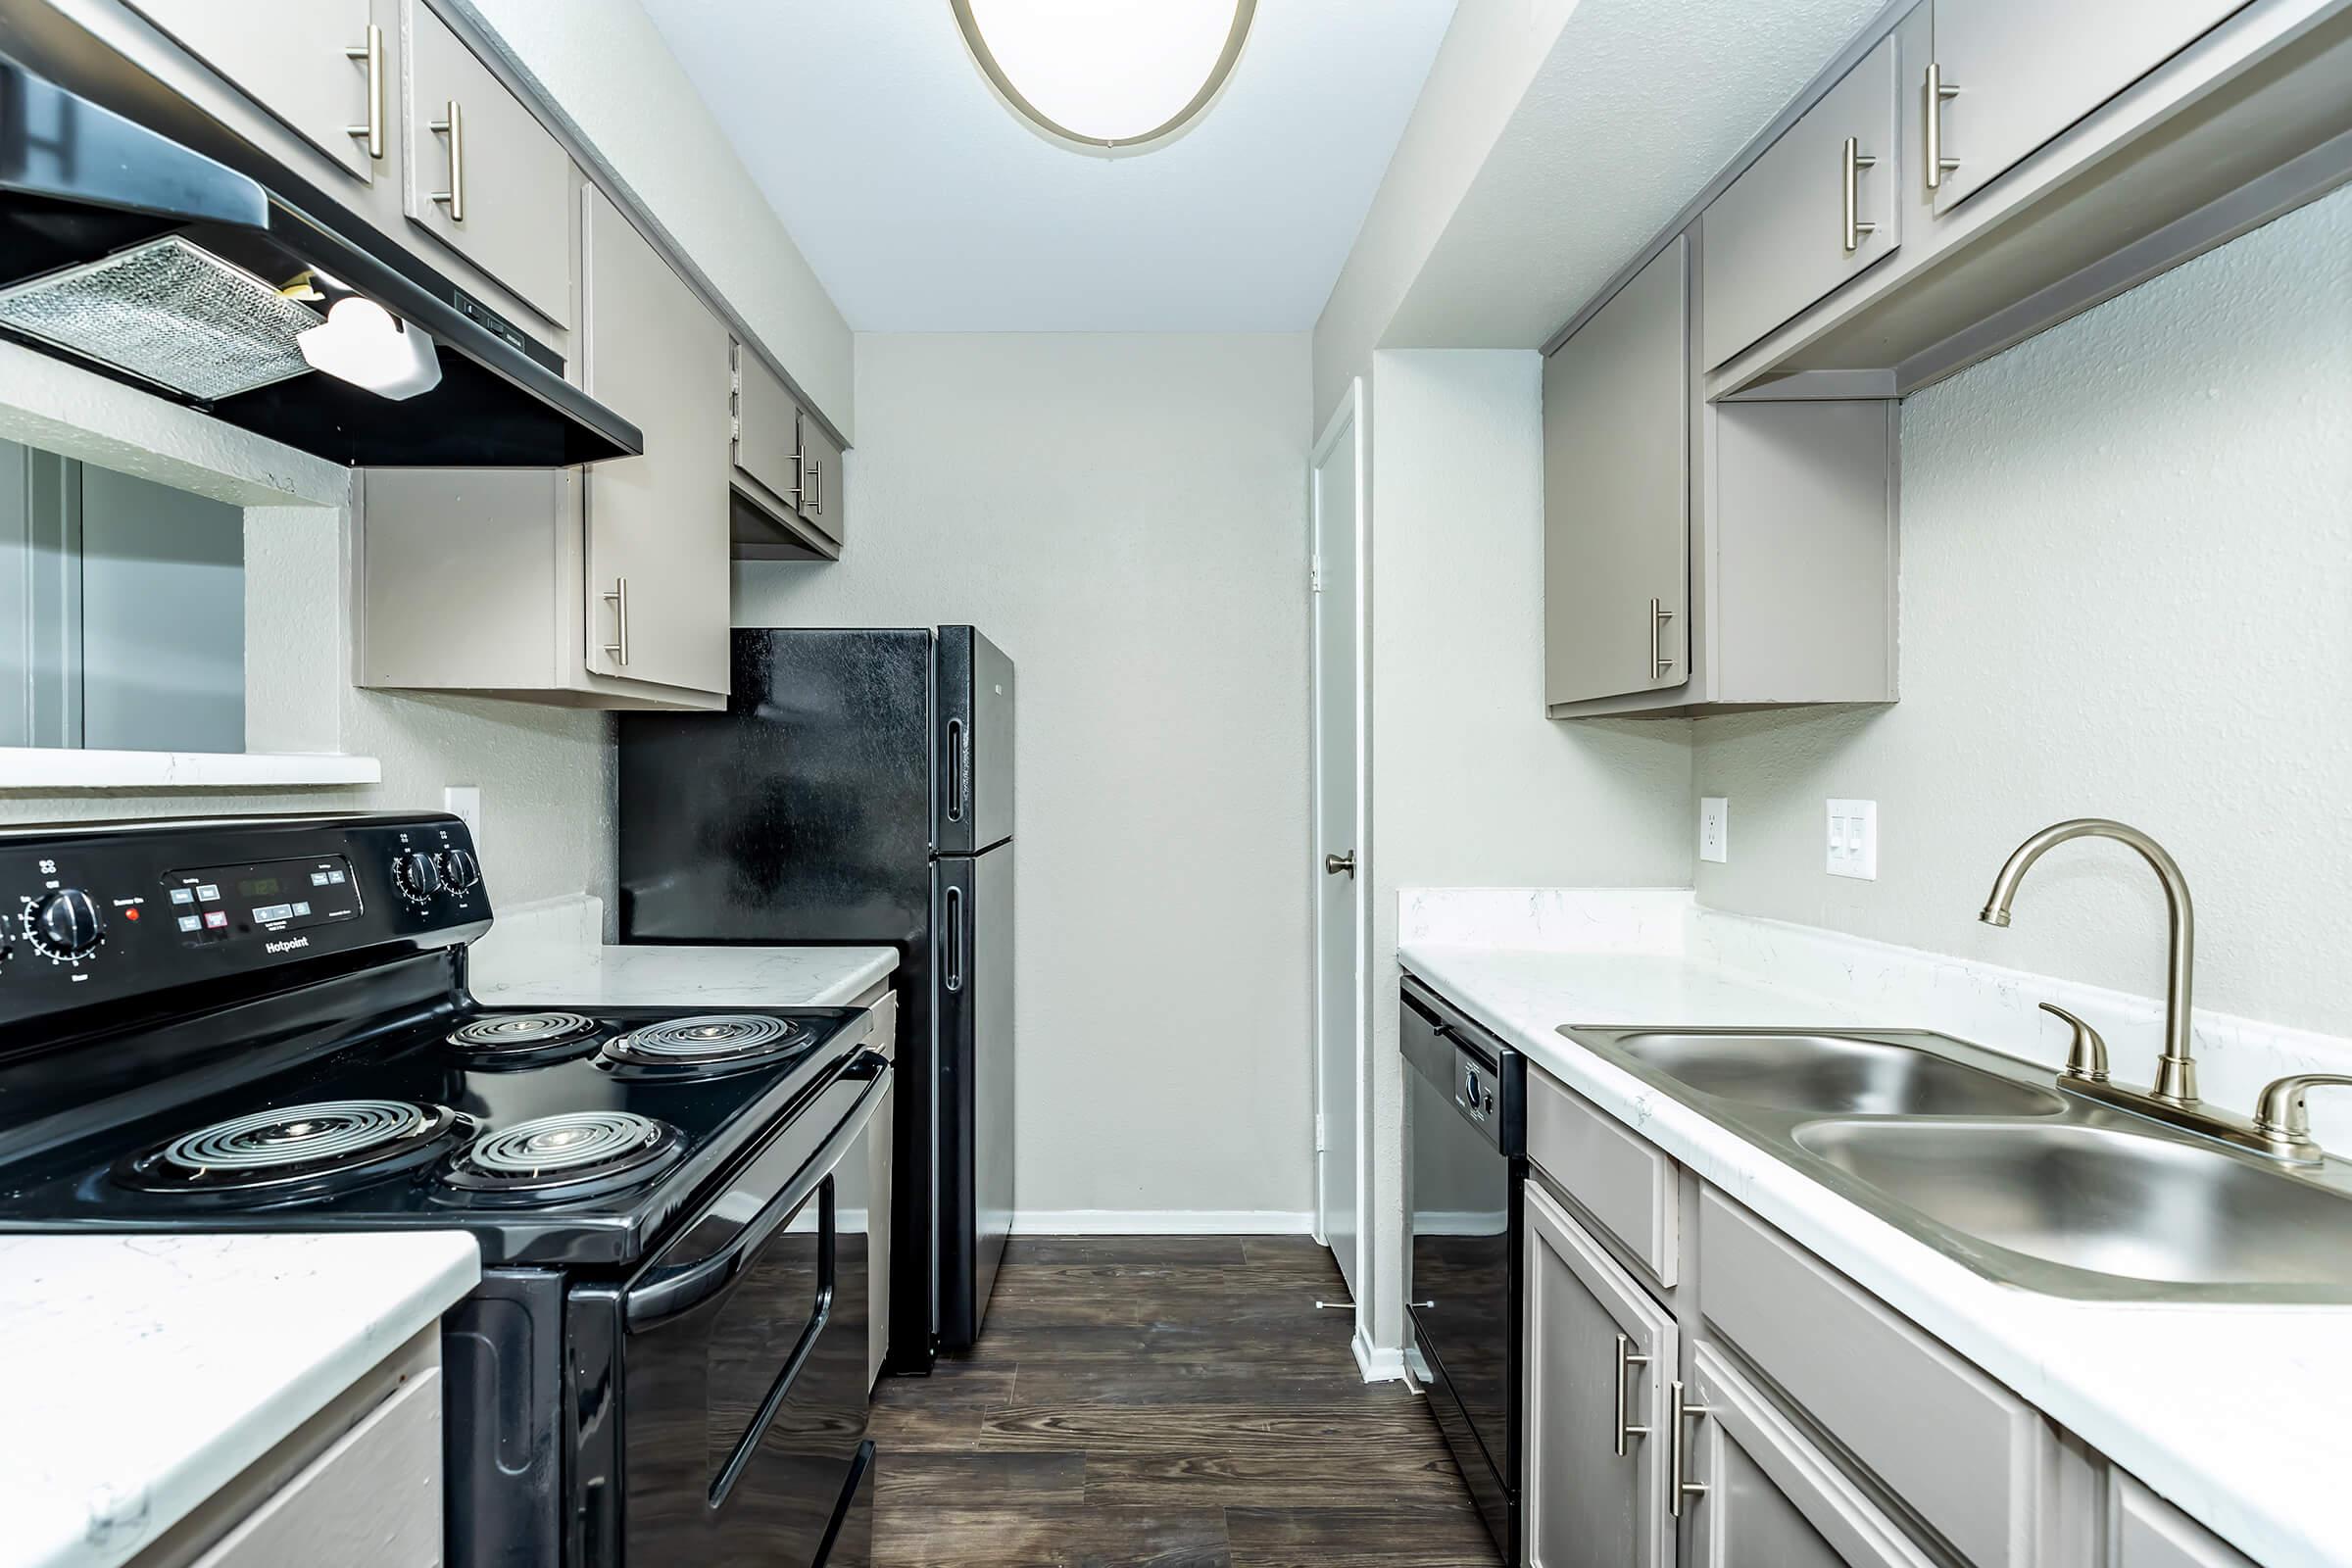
x,y
1106,76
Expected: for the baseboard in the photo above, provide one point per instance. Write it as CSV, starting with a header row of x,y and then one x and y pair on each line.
x,y
1162,1222
1377,1366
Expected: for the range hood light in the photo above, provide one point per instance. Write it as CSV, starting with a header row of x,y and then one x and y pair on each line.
x,y
361,342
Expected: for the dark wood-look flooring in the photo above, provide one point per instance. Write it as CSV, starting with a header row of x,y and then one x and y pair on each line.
x,y
1166,1400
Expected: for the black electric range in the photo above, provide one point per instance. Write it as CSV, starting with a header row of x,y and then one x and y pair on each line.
x,y
261,1024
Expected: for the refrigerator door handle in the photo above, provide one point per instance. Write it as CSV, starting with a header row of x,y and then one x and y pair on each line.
x,y
951,940
959,784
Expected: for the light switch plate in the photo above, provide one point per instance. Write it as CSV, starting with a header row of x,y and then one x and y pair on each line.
x,y
465,802
1714,828
1853,838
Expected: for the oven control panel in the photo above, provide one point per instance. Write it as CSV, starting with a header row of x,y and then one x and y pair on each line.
x,y
114,912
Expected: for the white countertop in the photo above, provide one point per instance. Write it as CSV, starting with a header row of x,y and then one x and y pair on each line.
x,y
553,955
2239,1416
140,1374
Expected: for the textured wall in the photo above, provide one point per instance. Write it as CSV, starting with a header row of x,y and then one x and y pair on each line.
x,y
1471,784
2127,592
1125,515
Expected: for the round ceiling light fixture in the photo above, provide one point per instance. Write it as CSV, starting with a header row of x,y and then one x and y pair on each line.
x,y
1106,76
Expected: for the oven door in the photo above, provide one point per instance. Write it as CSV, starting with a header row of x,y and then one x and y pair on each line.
x,y
1463,1093
742,1420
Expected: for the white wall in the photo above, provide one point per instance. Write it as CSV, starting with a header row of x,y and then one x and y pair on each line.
x,y
1124,516
613,78
1472,785
2127,592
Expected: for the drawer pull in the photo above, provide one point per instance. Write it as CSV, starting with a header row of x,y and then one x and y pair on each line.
x,y
1938,93
454,127
1678,1450
1627,1361
372,51
618,598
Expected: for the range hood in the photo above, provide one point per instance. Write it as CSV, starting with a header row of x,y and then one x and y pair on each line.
x,y
141,239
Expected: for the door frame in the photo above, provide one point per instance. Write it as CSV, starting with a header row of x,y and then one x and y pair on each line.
x,y
1346,424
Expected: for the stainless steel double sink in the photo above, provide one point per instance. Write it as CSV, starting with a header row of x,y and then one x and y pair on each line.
x,y
1984,1159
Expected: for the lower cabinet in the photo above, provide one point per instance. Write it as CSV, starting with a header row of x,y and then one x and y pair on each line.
x,y
1598,1352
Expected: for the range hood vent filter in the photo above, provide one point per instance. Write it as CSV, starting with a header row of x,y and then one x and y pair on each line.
x,y
170,313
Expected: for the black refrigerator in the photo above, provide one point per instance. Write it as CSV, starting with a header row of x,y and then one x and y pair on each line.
x,y
859,790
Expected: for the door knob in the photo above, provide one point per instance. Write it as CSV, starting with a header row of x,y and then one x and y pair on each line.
x,y
1334,865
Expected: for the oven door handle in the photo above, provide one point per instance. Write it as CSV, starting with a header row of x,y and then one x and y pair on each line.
x,y
662,1293
828,1240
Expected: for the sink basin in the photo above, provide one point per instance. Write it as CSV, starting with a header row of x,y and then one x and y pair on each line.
x,y
2104,1198
1833,1075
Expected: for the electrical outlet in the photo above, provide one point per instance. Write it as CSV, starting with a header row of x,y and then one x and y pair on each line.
x,y
465,802
1714,828
1853,838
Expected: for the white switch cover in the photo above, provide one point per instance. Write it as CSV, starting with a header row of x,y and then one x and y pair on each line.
x,y
465,802
1714,828
1853,838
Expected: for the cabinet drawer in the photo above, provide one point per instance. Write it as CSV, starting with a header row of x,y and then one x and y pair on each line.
x,y
1962,1450
1772,1496
372,1501
2146,1532
1778,239
484,177
1621,1181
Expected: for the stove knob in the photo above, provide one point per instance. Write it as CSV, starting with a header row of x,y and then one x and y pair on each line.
x,y
416,876
461,870
67,924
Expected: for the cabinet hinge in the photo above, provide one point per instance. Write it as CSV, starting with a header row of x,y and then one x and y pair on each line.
x,y
1319,1143
1315,576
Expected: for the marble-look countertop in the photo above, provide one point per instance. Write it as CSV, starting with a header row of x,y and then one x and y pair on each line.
x,y
553,955
2242,1416
140,1374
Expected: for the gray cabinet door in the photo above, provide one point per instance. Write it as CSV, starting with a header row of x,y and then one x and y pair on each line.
x,y
292,61
824,490
1588,1494
1768,1497
487,180
2146,1532
1777,239
1616,493
767,429
658,578
2025,69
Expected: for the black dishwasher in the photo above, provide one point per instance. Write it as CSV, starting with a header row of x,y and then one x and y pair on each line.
x,y
1465,1133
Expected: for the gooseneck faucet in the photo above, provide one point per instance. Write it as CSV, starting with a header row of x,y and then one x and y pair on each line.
x,y
2177,1067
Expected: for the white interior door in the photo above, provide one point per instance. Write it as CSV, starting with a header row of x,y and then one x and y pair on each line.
x,y
1337,536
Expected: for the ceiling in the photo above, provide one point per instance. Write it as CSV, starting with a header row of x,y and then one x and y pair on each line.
x,y
924,204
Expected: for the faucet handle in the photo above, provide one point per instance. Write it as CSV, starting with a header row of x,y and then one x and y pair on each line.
x,y
2280,1116
2086,1057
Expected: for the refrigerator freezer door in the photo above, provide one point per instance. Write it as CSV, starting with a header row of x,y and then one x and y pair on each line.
x,y
973,753
972,961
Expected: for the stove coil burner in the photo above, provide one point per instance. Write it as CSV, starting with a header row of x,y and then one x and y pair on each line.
x,y
299,1145
522,1035
704,1046
574,1154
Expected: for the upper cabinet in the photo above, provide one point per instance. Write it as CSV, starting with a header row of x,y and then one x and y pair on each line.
x,y
2010,75
325,68
789,495
1616,493
484,176
1704,556
1815,211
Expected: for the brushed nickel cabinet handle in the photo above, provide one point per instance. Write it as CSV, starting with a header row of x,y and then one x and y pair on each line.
x,y
1678,1449
1627,1361
1938,93
1854,162
816,486
454,127
1661,662
1334,865
617,596
372,51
